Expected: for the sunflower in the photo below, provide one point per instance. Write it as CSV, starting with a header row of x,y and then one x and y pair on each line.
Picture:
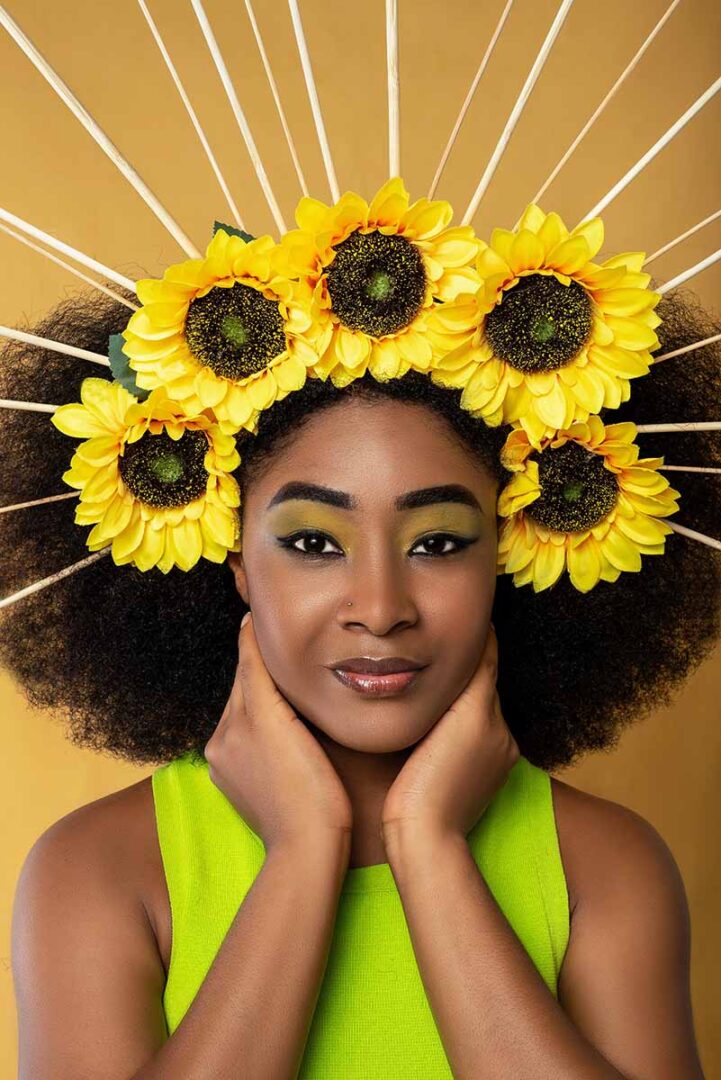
x,y
586,501
550,336
231,331
376,270
154,481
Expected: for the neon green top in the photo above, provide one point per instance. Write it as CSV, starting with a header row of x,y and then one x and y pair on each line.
x,y
372,1019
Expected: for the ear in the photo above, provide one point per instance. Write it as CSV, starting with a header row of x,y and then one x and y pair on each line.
x,y
235,561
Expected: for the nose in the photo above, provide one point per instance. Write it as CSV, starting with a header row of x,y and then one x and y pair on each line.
x,y
381,589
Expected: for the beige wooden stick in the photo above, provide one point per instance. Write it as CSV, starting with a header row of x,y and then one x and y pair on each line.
x,y
192,114
39,502
28,406
69,268
59,245
704,425
517,110
38,585
609,96
394,121
655,149
93,128
55,346
690,468
469,98
276,97
708,540
687,348
238,113
691,272
683,236
313,96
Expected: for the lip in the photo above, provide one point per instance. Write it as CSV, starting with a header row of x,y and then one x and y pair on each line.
x,y
387,665
377,685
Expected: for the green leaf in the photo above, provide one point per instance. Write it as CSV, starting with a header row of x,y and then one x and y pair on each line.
x,y
233,231
121,369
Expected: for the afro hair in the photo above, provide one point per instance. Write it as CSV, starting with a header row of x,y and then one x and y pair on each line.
x,y
139,665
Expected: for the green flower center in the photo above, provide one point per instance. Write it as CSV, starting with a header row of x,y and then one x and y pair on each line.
x,y
540,324
163,472
376,283
235,331
577,490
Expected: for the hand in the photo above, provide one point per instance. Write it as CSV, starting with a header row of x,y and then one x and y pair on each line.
x,y
456,769
267,763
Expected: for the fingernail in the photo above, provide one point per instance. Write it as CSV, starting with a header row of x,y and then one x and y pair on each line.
x,y
245,618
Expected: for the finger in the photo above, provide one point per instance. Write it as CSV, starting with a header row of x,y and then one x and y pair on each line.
x,y
482,684
260,693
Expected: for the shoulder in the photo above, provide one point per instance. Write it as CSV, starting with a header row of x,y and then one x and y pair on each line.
x,y
599,837
625,977
84,952
110,832
108,850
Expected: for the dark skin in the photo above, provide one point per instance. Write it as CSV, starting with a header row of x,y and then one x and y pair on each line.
x,y
92,908
406,601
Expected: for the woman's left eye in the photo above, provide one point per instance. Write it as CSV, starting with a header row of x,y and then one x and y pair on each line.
x,y
439,539
436,542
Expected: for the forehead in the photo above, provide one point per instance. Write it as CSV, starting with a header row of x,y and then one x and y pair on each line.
x,y
375,449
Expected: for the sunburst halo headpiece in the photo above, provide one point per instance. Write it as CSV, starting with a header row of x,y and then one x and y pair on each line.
x,y
536,334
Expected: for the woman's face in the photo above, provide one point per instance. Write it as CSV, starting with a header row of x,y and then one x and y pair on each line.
x,y
421,577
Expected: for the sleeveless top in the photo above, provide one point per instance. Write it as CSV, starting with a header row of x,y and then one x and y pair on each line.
x,y
372,1018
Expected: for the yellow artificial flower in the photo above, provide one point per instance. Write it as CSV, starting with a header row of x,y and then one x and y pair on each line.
x,y
550,336
585,502
154,481
231,331
376,271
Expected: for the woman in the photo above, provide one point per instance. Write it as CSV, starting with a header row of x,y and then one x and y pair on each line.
x,y
351,876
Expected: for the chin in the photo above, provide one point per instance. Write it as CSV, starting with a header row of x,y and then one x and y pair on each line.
x,y
373,732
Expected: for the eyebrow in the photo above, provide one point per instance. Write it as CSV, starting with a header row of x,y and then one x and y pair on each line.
x,y
410,500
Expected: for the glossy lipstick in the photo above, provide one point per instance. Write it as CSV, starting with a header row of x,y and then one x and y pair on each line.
x,y
376,685
377,678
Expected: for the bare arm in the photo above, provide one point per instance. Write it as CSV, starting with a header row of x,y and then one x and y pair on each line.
x,y
89,980
254,1010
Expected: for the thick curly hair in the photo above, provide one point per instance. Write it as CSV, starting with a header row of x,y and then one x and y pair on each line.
x,y
139,665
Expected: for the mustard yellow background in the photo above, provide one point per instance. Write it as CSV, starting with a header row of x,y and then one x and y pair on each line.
x,y
55,176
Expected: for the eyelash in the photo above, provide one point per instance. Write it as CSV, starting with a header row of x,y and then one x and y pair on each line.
x,y
289,541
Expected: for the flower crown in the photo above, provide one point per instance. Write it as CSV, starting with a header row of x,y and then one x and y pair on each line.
x,y
536,334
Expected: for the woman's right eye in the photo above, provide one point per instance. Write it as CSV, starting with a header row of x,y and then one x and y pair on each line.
x,y
315,541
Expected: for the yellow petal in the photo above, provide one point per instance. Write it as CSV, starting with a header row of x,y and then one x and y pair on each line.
x,y
552,408
527,252
188,542
584,564
117,515
631,334
128,540
77,421
150,549
592,232
548,565
570,255
311,214
532,218
620,551
389,204
425,219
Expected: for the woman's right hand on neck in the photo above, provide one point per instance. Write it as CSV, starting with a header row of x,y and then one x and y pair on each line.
x,y
268,764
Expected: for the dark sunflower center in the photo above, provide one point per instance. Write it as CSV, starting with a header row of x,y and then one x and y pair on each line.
x,y
377,283
164,473
540,324
236,332
577,490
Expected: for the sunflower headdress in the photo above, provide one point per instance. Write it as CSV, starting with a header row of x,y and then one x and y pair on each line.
x,y
537,334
